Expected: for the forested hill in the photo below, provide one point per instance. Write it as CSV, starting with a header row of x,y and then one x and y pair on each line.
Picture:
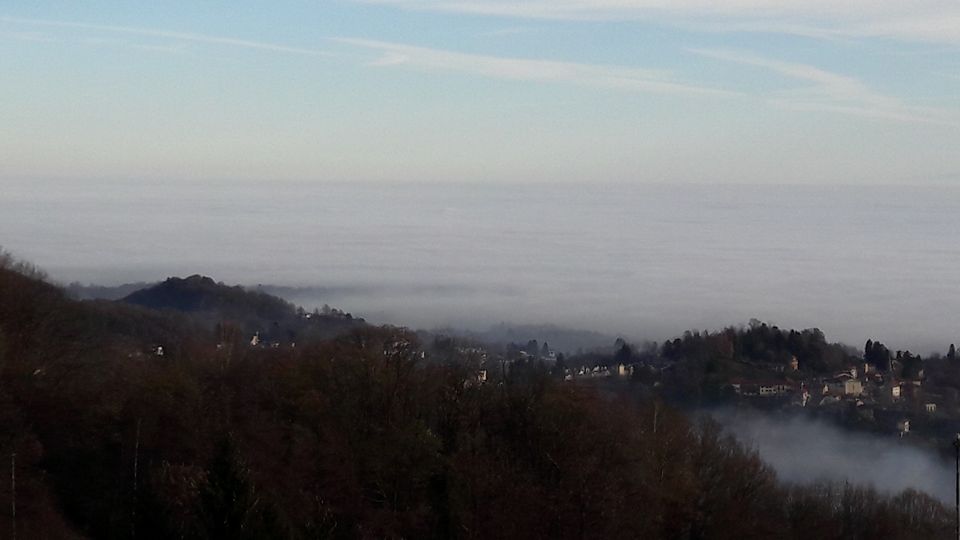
x,y
358,436
211,303
40,319
202,294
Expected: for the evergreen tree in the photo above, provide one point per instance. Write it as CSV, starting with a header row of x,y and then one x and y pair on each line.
x,y
533,348
624,354
560,367
231,507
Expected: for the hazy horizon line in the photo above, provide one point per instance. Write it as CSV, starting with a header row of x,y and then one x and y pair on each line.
x,y
948,181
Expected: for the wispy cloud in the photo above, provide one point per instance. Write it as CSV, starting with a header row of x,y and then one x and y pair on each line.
x,y
171,35
509,31
168,49
833,92
922,20
522,69
39,37
938,26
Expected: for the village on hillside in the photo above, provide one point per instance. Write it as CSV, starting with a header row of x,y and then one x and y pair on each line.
x,y
886,392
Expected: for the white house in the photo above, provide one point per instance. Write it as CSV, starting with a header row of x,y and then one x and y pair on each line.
x,y
774,388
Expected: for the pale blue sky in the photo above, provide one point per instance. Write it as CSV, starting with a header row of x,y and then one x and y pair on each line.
x,y
773,91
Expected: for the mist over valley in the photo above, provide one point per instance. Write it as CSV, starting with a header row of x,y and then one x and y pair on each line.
x,y
644,261
480,269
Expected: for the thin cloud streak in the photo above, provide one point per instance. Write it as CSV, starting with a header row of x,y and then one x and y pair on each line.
x,y
167,34
917,20
509,31
519,69
833,92
38,37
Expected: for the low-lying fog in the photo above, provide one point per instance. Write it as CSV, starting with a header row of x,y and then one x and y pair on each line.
x,y
804,450
644,261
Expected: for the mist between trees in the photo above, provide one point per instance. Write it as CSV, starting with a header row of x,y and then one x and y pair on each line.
x,y
806,451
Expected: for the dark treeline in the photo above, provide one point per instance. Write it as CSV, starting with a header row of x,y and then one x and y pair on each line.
x,y
359,436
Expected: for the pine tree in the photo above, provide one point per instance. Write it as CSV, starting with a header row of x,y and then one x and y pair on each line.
x,y
230,504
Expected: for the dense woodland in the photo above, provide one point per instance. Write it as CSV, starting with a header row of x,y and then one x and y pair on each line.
x,y
360,435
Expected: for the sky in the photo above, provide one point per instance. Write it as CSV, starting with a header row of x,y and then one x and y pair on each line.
x,y
740,91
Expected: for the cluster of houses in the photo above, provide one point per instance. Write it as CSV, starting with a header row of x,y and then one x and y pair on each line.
x,y
854,382
875,396
858,392
619,370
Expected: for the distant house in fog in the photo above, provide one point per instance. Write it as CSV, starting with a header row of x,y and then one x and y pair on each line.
x,y
852,387
771,389
479,377
761,388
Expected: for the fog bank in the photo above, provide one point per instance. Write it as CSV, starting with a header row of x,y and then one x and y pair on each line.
x,y
645,261
804,450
